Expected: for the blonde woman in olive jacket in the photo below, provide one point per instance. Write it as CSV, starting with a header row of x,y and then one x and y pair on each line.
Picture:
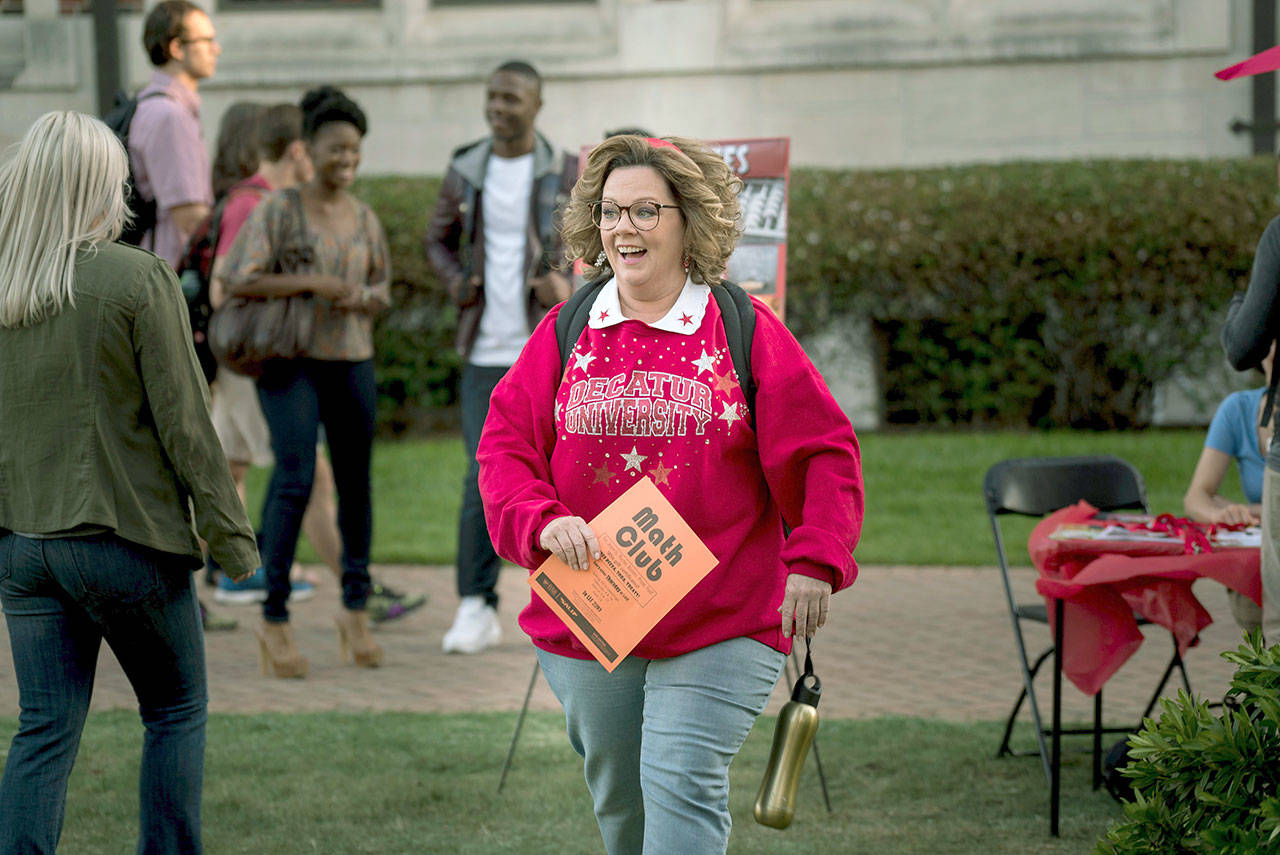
x,y
106,451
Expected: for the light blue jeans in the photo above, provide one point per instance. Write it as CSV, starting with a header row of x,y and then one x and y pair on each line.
x,y
657,737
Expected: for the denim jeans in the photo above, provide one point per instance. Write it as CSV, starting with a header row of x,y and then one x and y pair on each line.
x,y
478,563
657,737
297,396
1270,611
61,598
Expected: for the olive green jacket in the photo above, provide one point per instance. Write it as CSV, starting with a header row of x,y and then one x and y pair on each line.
x,y
104,419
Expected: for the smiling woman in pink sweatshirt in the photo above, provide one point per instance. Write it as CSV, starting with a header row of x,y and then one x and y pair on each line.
x,y
772,487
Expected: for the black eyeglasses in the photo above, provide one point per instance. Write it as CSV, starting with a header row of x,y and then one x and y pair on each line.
x,y
644,215
209,39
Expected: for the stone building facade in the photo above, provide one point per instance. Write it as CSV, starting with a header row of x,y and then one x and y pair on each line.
x,y
853,83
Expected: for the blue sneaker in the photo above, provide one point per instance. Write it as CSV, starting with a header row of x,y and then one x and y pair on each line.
x,y
253,589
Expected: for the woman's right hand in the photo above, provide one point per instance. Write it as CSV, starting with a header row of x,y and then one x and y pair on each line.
x,y
1235,515
571,540
331,287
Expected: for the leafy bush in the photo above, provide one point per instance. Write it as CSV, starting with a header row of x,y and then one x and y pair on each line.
x,y
418,367
1011,294
1029,293
1205,783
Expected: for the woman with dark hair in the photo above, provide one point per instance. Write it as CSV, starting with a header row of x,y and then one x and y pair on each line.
x,y
108,468
236,155
347,277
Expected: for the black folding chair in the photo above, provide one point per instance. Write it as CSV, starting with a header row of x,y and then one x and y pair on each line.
x,y
1036,486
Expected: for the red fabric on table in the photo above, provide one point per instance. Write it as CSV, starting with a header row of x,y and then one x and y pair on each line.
x,y
1104,582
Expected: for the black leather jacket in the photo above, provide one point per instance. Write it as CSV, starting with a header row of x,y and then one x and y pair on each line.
x,y
454,240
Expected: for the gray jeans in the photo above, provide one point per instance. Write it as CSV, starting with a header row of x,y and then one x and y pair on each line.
x,y
1270,618
657,737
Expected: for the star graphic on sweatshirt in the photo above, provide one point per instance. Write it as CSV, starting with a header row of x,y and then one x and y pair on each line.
x,y
604,313
706,362
723,383
634,460
730,413
660,474
583,360
686,318
603,475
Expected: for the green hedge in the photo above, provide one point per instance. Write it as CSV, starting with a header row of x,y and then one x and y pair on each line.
x,y
1012,294
417,365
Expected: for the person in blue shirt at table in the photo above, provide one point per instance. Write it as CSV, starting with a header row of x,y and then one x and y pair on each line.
x,y
1234,434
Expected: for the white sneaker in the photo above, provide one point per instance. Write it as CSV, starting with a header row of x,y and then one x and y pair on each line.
x,y
475,627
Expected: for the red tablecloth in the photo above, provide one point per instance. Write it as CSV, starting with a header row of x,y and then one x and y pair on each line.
x,y
1103,583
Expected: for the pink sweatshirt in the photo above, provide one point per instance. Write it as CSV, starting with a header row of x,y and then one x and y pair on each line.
x,y
663,400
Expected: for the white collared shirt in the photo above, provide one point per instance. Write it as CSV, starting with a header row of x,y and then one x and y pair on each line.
x,y
685,317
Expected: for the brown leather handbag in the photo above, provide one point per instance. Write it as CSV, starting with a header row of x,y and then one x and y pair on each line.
x,y
246,333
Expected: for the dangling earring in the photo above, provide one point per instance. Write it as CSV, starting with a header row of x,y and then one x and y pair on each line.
x,y
684,262
601,259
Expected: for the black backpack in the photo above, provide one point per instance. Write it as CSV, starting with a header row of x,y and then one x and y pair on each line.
x,y
736,313
119,118
195,271
1118,784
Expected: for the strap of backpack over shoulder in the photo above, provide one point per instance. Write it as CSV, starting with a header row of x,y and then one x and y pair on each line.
x,y
738,315
1269,407
244,185
573,318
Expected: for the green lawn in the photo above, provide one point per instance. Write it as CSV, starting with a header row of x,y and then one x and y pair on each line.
x,y
924,503
416,783
402,783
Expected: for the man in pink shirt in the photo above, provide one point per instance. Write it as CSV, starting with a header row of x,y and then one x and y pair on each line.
x,y
166,152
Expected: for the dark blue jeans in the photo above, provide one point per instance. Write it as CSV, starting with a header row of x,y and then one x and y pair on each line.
x,y
297,396
61,598
477,561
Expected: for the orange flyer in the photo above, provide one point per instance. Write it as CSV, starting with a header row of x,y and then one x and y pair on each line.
x,y
649,559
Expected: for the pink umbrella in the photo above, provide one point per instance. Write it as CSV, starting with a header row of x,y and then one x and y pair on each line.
x,y
1268,60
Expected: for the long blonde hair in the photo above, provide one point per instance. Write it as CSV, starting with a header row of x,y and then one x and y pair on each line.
x,y
61,191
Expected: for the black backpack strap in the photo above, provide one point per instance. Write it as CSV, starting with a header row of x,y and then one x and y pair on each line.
x,y
1268,409
220,208
133,110
738,315
573,318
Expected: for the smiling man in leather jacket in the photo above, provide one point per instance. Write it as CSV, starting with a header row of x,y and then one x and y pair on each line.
x,y
493,241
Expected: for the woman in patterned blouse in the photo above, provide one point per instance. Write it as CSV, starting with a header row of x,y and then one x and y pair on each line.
x,y
347,277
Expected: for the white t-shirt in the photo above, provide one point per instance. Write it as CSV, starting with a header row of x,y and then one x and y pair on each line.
x,y
504,326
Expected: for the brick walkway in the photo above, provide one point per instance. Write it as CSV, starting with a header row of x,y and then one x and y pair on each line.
x,y
931,642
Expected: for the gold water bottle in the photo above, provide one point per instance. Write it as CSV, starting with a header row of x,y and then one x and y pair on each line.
x,y
797,723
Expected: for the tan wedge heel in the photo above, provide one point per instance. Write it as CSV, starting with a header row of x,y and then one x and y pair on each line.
x,y
355,644
278,656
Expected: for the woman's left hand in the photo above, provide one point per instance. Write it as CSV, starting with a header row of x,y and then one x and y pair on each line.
x,y
804,605
369,299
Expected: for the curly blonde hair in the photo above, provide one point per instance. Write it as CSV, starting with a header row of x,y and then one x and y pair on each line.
x,y
704,187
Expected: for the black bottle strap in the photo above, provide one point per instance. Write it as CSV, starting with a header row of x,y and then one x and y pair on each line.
x,y
808,688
